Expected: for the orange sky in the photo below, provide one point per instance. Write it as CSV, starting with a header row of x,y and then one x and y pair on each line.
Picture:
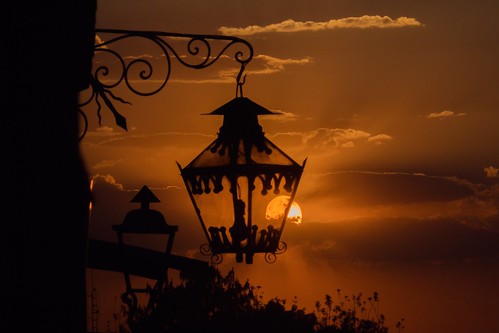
x,y
395,106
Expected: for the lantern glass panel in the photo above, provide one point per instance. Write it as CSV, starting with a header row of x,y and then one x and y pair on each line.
x,y
216,209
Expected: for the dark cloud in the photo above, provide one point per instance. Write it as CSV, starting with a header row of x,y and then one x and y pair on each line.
x,y
481,211
393,240
369,188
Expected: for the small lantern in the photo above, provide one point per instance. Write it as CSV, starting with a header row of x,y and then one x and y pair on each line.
x,y
232,182
145,221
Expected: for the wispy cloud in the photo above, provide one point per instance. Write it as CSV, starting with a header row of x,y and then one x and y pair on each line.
x,y
274,65
380,139
444,115
104,129
151,140
342,137
359,22
262,64
142,56
336,137
267,65
102,133
106,164
283,116
328,139
108,179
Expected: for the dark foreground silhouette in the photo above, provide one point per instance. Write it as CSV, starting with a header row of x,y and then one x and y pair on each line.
x,y
223,304
47,49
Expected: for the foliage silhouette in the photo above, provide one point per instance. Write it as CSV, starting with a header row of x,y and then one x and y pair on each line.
x,y
224,304
351,314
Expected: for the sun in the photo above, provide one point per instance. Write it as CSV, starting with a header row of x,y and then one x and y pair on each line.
x,y
277,206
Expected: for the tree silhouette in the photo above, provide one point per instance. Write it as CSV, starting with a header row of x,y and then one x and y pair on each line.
x,y
217,303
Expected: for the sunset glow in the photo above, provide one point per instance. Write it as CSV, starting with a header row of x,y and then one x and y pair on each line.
x,y
277,207
295,215
393,105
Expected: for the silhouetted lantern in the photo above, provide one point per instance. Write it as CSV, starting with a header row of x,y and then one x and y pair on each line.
x,y
145,221
232,182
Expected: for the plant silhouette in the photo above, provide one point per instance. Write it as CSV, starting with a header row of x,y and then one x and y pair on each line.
x,y
217,303
351,314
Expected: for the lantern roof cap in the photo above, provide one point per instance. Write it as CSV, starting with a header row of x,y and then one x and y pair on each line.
x,y
145,220
145,195
241,104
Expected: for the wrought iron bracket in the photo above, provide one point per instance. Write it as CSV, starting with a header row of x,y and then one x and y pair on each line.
x,y
197,52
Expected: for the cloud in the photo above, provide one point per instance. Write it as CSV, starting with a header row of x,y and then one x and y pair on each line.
x,y
268,65
322,139
141,56
282,116
444,114
380,217
379,139
480,211
105,129
106,179
263,64
103,132
151,141
275,65
381,241
363,188
350,195
325,145
370,240
106,164
361,22
348,144
491,172
335,137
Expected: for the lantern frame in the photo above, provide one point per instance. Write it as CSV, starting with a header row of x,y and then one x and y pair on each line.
x,y
145,221
241,152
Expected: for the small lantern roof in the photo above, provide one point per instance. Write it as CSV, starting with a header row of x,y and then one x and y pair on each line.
x,y
241,140
145,220
145,195
242,105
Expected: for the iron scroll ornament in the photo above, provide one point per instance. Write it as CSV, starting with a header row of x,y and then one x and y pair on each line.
x,y
199,48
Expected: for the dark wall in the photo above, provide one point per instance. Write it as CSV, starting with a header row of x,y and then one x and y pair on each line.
x,y
47,49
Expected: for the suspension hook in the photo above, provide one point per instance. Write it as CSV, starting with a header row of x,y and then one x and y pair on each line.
x,y
239,82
